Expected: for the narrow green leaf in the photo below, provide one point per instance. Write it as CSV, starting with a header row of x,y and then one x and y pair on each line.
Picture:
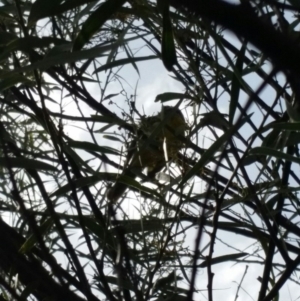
x,y
250,159
131,59
6,37
125,283
31,241
59,49
109,120
43,8
135,226
95,21
271,140
25,163
62,58
88,146
160,5
13,80
67,57
224,258
109,137
27,44
277,128
290,126
129,181
207,156
76,158
92,180
168,280
118,43
29,289
123,62
164,97
214,119
293,139
266,151
58,9
168,45
279,139
109,96
236,82
295,3
83,182
293,110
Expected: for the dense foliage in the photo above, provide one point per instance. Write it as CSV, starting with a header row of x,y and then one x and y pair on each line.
x,y
220,220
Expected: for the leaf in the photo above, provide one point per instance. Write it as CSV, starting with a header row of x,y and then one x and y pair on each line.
x,y
61,58
236,82
164,97
88,146
168,46
109,96
168,280
131,59
214,119
29,289
79,183
52,10
295,3
129,181
123,62
160,5
250,159
6,37
289,126
271,140
108,119
64,58
95,21
126,284
293,139
25,163
109,137
222,259
31,241
279,139
266,151
10,81
92,180
293,110
136,226
207,156
43,8
76,158
120,41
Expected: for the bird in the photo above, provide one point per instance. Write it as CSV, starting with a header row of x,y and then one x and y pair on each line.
x,y
158,140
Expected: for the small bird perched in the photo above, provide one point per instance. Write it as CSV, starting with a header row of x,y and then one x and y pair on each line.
x,y
147,149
